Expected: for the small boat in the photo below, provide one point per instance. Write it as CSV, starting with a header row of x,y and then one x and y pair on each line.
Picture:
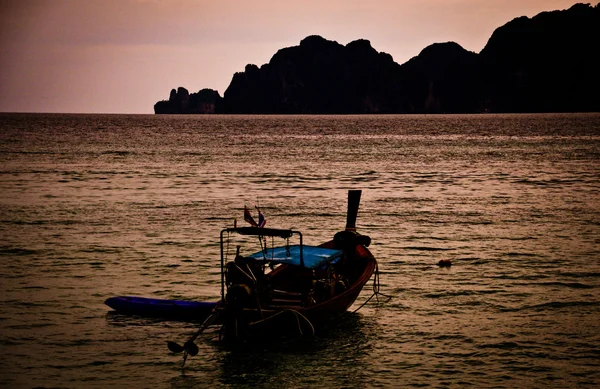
x,y
162,309
288,290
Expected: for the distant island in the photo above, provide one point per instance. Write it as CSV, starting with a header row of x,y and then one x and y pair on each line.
x,y
548,63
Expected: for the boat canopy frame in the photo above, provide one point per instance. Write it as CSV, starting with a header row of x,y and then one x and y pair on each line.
x,y
260,232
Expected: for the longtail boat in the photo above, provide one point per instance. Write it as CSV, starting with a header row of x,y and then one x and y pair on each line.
x,y
286,290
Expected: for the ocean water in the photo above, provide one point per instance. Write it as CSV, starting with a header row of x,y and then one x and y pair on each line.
x,y
94,206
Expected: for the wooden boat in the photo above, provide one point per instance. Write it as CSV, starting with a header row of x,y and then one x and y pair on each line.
x,y
307,287
288,290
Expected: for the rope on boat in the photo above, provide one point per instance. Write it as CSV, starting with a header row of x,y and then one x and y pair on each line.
x,y
376,292
297,316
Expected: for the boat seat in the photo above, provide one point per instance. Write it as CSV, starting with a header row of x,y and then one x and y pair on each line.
x,y
282,293
280,307
286,300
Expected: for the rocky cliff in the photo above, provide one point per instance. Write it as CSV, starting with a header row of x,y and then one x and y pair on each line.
x,y
547,63
182,102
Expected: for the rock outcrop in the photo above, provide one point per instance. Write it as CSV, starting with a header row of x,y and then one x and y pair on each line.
x,y
181,101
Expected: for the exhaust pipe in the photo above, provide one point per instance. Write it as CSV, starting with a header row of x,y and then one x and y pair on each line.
x,y
353,203
349,238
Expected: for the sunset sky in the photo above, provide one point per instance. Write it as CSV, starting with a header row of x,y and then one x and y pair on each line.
x,y
122,56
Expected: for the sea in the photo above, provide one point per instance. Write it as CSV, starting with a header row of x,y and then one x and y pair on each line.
x,y
96,205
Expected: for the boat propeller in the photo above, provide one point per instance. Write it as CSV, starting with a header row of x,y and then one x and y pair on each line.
x,y
189,347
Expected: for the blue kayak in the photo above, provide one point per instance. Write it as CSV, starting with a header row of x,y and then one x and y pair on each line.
x,y
159,308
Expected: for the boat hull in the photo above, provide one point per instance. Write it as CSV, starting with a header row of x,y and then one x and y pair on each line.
x,y
252,324
180,310
340,303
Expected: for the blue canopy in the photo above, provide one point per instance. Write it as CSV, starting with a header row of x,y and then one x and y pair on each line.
x,y
314,256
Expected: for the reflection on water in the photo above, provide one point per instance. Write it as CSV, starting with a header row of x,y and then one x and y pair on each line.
x,y
334,358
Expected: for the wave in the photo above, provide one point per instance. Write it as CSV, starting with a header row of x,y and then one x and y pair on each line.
x,y
518,254
423,248
7,250
501,345
552,305
572,285
459,293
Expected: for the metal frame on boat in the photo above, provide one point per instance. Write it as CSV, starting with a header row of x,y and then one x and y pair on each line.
x,y
288,291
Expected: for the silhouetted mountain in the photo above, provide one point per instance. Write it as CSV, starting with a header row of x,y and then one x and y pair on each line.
x,y
319,76
548,63
444,77
544,64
